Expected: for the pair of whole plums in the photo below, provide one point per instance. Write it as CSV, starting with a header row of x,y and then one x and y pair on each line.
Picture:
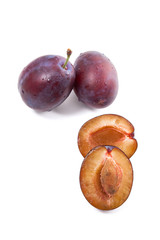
x,y
48,80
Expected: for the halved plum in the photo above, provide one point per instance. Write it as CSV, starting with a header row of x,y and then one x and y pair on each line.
x,y
106,177
107,129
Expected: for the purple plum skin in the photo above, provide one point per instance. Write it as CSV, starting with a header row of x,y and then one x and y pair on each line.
x,y
96,82
44,83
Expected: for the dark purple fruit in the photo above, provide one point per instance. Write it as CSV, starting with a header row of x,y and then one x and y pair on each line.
x,y
46,82
96,82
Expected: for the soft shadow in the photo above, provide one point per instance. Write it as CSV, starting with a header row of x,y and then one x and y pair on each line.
x,y
70,106
112,211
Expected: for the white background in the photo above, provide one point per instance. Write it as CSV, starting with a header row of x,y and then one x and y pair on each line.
x,y
40,196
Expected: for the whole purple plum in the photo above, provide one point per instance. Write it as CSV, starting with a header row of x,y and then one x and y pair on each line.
x,y
96,82
46,82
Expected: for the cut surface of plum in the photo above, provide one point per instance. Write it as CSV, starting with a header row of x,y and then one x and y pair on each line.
x,y
107,129
106,177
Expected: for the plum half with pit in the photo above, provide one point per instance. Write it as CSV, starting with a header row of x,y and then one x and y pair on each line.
x,y
47,81
106,177
96,83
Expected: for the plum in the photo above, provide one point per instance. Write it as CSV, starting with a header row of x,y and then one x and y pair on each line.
x,y
107,129
47,81
106,177
96,82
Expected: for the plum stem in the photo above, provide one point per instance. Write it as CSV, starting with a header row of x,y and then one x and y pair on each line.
x,y
69,52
